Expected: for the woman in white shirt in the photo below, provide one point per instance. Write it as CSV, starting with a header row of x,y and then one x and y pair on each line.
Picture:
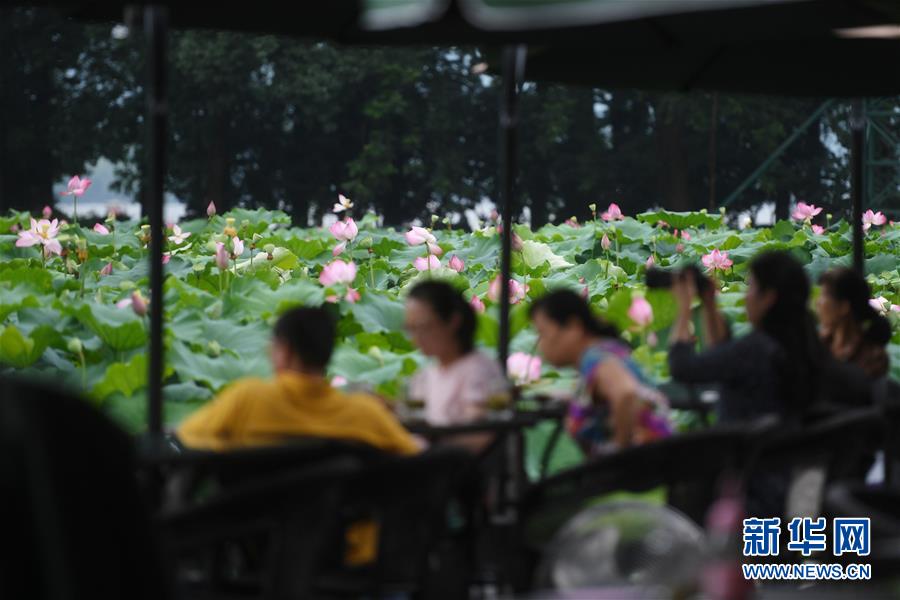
x,y
457,385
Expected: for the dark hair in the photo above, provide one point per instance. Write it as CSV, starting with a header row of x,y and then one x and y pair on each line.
x,y
561,306
790,322
446,301
847,285
309,333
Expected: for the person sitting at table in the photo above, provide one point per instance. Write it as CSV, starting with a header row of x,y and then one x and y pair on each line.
x,y
780,368
617,406
298,401
458,384
850,327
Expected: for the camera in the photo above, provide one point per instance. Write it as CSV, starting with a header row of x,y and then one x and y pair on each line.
x,y
658,278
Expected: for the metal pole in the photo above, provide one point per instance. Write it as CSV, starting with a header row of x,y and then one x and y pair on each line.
x,y
156,30
857,123
513,71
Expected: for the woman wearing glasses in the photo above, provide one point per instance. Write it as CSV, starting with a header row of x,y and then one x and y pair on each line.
x,y
456,387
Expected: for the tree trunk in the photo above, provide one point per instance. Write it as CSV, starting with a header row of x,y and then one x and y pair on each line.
x,y
672,155
217,171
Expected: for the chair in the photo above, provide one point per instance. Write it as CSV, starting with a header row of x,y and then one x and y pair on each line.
x,y
76,524
689,465
788,471
410,498
289,514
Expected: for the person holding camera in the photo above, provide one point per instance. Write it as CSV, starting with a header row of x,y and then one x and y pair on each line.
x,y
776,368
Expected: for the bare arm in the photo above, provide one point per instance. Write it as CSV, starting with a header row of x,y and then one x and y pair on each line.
x,y
619,388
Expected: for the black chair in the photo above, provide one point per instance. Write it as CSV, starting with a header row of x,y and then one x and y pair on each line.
x,y
285,517
691,466
412,500
838,448
76,526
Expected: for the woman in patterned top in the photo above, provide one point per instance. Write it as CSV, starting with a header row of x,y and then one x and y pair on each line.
x,y
617,405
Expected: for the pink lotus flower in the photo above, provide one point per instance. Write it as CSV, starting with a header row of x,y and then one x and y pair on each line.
x,y
99,228
805,212
42,232
107,270
237,247
716,261
652,339
517,291
339,249
47,212
178,236
352,296
457,264
523,368
77,186
166,257
650,262
338,381
572,222
337,271
613,213
419,235
14,228
872,218
880,304
211,209
685,236
818,229
640,311
344,231
137,303
221,256
343,204
679,248
477,304
604,242
517,244
585,292
427,264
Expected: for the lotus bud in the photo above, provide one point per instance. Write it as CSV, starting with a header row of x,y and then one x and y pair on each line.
x,y
366,242
126,284
213,348
75,346
138,303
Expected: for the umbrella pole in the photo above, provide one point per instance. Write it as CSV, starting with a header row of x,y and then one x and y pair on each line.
x,y
156,33
513,70
857,124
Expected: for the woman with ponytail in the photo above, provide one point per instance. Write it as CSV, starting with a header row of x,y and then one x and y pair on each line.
x,y
776,368
852,330
617,405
